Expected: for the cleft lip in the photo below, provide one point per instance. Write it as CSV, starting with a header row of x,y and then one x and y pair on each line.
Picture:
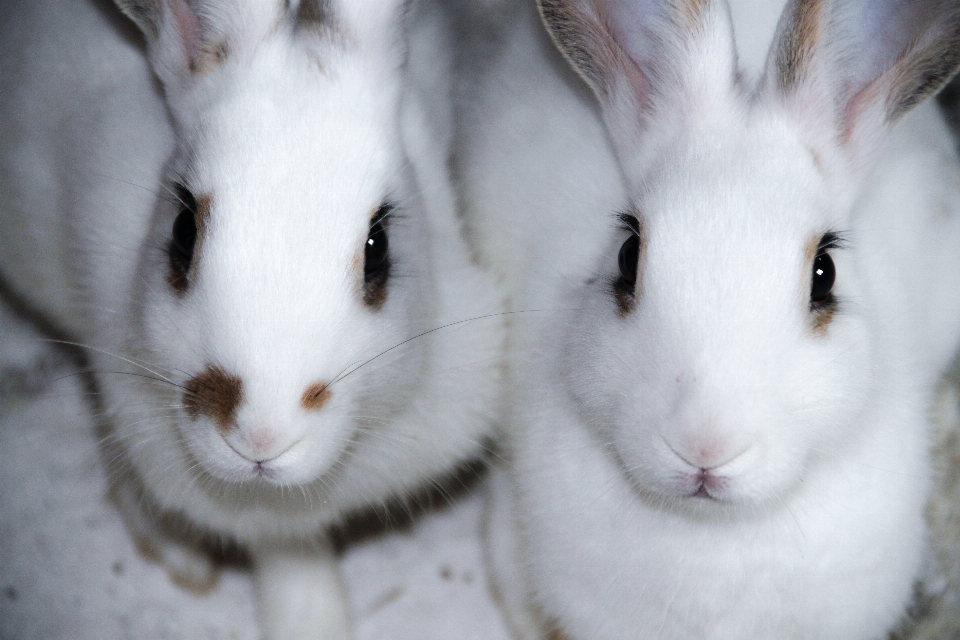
x,y
702,492
706,485
260,469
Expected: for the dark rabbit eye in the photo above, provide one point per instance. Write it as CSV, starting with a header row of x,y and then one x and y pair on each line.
x,y
376,256
628,259
183,238
375,252
824,275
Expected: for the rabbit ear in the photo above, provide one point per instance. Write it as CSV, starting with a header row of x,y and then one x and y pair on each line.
x,y
645,57
173,32
853,69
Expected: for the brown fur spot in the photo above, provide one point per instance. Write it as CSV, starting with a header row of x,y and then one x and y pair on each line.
x,y
177,280
210,58
314,14
691,13
817,161
375,294
822,320
625,303
315,396
796,44
214,394
198,585
810,252
203,214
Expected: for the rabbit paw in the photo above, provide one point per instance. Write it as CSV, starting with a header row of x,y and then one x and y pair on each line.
x,y
301,594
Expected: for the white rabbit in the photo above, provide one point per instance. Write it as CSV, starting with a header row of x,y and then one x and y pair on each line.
x,y
258,252
740,301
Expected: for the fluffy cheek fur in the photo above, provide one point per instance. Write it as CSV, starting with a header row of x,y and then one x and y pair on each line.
x,y
665,412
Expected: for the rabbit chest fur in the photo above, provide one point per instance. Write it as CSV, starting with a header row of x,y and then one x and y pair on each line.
x,y
247,224
738,296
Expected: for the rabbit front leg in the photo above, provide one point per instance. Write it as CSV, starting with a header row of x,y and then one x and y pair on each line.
x,y
504,558
188,567
301,593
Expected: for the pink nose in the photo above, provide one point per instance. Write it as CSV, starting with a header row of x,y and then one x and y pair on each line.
x,y
261,443
706,452
258,444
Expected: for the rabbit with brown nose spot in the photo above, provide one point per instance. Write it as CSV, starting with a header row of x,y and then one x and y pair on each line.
x,y
242,211
719,427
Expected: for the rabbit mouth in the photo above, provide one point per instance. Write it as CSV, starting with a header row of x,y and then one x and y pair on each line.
x,y
702,492
708,486
264,470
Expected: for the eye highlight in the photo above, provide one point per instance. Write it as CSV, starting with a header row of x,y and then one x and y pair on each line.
x,y
376,258
375,251
824,275
183,239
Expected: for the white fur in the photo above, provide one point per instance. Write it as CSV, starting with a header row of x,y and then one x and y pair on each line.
x,y
820,440
298,136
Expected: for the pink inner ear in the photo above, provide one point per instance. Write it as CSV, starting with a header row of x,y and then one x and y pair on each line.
x,y
856,107
189,29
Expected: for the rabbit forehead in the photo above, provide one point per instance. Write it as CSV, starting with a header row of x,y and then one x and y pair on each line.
x,y
294,147
728,220
294,166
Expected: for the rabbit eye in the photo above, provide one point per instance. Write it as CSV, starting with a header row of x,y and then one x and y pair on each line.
x,y
375,251
628,259
824,275
183,238
625,285
376,255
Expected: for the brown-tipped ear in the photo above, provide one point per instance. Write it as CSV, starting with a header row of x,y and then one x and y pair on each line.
x,y
583,35
639,56
858,67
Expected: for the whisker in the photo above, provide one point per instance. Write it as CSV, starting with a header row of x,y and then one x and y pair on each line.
x,y
112,355
428,332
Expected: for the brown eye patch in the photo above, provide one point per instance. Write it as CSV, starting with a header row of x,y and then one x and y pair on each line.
x,y
314,14
214,394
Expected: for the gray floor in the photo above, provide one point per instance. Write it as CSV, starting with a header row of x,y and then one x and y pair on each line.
x,y
68,570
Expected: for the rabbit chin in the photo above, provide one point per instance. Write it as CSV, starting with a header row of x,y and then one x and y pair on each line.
x,y
236,458
752,481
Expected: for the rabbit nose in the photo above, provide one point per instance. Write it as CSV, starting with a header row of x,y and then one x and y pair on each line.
x,y
706,453
259,444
